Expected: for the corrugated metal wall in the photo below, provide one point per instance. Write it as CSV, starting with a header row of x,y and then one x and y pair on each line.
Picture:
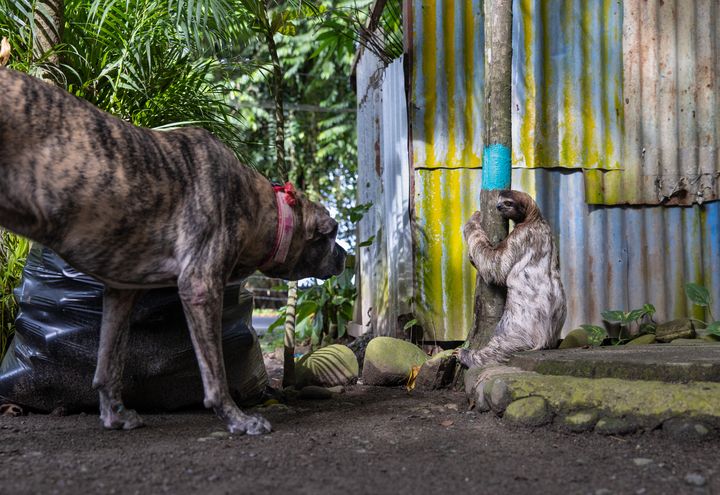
x,y
569,112
372,259
386,266
567,83
672,124
610,257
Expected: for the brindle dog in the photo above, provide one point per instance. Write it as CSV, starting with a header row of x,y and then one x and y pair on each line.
x,y
137,209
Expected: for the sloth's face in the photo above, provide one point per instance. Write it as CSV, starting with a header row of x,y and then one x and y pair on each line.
x,y
511,206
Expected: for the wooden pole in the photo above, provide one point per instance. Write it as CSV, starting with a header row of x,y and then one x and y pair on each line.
x,y
490,299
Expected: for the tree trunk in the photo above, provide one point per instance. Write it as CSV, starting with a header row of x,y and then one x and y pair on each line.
x,y
278,97
49,25
490,299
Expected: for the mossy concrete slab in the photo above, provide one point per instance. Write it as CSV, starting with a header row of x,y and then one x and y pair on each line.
x,y
648,403
657,362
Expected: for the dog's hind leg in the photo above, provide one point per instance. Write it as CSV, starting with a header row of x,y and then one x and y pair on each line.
x,y
117,305
202,301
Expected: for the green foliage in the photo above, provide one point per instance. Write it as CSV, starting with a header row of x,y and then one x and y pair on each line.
x,y
700,296
13,252
596,334
323,311
628,318
320,139
145,61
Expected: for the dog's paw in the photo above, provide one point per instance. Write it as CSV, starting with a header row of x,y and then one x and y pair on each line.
x,y
121,419
250,425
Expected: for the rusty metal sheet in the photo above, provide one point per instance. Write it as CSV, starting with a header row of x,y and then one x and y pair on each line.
x,y
672,108
567,83
610,258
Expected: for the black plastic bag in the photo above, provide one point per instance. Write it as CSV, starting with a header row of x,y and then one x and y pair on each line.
x,y
51,361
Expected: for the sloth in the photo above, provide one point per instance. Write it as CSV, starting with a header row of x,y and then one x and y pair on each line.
x,y
526,262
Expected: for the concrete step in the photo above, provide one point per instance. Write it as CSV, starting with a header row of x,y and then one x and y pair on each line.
x,y
656,362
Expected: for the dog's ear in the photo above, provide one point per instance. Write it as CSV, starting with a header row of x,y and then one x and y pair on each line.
x,y
321,225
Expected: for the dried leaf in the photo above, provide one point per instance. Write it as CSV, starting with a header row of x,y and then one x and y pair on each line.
x,y
447,422
411,379
4,51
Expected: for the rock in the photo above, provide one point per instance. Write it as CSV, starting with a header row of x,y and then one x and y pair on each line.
x,y
530,411
695,479
648,338
338,389
327,367
580,421
389,361
642,461
437,372
576,338
219,434
498,394
615,426
686,429
313,392
475,390
675,329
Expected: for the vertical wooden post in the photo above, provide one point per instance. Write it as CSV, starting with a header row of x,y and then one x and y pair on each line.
x,y
490,299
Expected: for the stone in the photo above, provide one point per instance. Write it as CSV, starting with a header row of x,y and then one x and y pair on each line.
x,y
530,411
437,372
576,338
220,434
675,329
642,461
327,367
313,392
338,389
695,479
475,390
615,426
389,361
498,394
580,421
686,429
646,339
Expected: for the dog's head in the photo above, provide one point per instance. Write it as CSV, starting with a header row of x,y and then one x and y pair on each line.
x,y
313,252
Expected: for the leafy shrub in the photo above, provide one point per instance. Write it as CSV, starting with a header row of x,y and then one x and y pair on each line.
x,y
13,252
323,311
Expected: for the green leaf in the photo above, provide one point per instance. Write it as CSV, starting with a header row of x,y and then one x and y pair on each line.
x,y
649,309
634,315
698,294
341,325
714,328
613,316
410,324
595,333
367,242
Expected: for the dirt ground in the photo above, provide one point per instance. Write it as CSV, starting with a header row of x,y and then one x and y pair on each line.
x,y
367,440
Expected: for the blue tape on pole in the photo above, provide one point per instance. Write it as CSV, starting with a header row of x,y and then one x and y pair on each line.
x,y
496,167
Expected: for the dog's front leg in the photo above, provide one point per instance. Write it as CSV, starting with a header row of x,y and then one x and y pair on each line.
x,y
201,296
117,305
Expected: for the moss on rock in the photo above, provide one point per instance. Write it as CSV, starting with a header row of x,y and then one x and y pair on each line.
x,y
529,411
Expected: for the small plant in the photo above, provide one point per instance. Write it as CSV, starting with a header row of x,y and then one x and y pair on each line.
x,y
700,296
13,252
627,319
323,311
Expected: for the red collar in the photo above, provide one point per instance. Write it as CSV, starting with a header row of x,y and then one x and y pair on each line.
x,y
286,198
